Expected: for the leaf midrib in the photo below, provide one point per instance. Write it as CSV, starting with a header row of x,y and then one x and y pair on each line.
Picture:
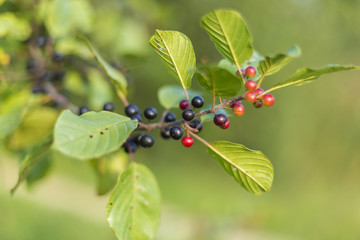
x,y
228,42
172,59
241,169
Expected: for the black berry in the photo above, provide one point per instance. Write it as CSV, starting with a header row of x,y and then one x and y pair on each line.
x,y
165,133
83,109
136,138
131,110
57,57
220,119
109,106
196,124
130,146
136,117
188,114
197,102
147,141
150,113
170,117
176,132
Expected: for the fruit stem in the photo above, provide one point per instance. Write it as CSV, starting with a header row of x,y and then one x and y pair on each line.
x,y
260,81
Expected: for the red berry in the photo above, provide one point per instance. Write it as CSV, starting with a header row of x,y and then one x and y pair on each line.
x,y
239,110
250,85
235,104
268,100
259,91
226,125
184,104
250,72
250,96
187,141
258,104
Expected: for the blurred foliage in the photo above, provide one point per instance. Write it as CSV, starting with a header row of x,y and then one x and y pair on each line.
x,y
311,134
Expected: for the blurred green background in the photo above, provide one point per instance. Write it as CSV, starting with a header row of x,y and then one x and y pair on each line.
x,y
311,135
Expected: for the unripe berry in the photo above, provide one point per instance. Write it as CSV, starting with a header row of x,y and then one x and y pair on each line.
x,y
165,133
184,104
150,113
250,96
187,141
239,110
258,104
268,100
109,106
131,110
147,141
220,119
250,72
83,109
235,104
250,85
259,91
226,125
170,117
176,132
197,102
188,114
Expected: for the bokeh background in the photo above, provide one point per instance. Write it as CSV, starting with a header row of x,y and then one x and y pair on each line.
x,y
311,135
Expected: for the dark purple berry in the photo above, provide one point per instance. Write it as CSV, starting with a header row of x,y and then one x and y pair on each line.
x,y
196,124
109,106
184,104
147,141
150,113
83,109
130,146
136,138
131,110
170,117
136,117
176,132
220,119
188,114
165,133
197,102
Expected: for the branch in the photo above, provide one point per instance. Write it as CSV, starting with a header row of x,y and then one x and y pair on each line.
x,y
161,124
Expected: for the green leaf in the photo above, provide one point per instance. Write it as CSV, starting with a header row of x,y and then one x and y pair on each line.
x,y
108,169
116,77
218,81
134,206
228,31
176,51
100,91
307,75
169,96
92,134
251,169
65,17
36,125
12,110
32,159
272,65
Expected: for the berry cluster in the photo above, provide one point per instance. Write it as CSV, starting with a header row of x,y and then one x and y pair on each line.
x,y
253,93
